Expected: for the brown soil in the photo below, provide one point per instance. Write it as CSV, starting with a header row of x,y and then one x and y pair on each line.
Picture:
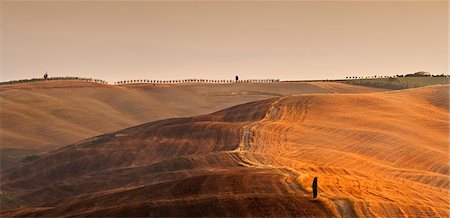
x,y
42,116
378,154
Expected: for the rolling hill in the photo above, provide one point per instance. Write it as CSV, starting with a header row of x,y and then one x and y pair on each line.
x,y
41,116
375,154
401,82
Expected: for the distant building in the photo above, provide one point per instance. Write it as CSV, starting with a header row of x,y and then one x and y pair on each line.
x,y
419,74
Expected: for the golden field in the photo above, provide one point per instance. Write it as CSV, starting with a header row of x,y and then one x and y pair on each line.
x,y
375,152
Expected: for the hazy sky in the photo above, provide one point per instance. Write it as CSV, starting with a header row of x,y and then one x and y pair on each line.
x,y
115,40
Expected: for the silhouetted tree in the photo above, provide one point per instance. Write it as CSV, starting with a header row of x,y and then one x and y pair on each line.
x,y
314,187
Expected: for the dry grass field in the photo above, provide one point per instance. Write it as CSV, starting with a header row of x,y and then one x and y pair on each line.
x,y
382,154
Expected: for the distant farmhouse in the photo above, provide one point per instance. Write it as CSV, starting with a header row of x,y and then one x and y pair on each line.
x,y
419,74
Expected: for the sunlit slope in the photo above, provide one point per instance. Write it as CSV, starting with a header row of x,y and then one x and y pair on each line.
x,y
56,113
176,167
378,154
39,116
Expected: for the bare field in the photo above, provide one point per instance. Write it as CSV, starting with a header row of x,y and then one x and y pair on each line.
x,y
42,116
381,154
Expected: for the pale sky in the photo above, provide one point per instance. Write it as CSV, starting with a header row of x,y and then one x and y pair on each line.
x,y
117,40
